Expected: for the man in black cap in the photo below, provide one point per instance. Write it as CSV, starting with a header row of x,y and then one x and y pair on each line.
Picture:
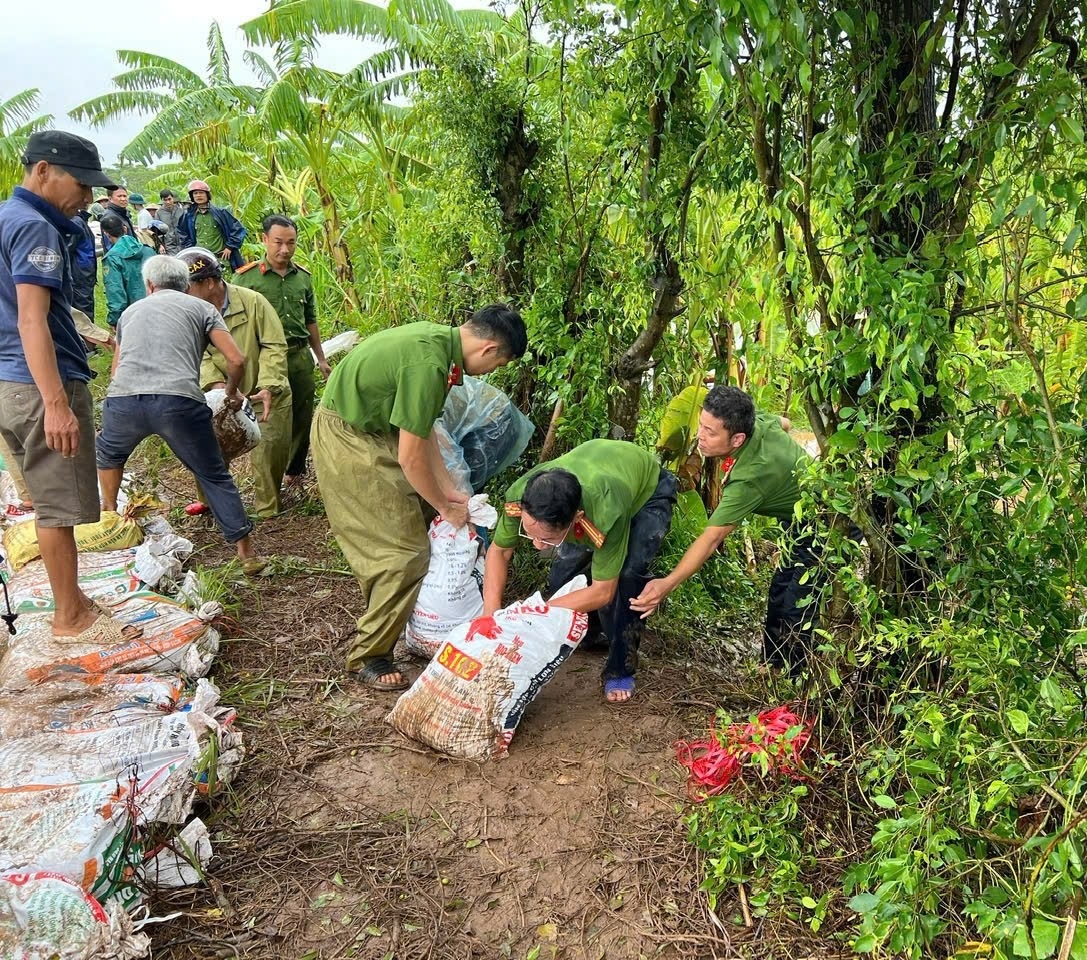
x,y
46,415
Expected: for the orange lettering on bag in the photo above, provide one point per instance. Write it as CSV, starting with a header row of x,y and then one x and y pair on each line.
x,y
458,663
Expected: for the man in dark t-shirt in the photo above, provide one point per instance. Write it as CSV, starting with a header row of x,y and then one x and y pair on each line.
x,y
46,414
84,263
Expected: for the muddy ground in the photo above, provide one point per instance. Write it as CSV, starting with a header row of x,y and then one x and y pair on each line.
x,y
342,839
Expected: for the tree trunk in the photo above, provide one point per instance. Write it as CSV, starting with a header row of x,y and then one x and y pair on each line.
x,y
667,284
335,245
638,357
519,152
903,112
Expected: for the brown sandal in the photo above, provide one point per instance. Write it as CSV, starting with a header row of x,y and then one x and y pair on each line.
x,y
105,631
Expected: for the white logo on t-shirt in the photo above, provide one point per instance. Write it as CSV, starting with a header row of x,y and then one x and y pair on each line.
x,y
44,259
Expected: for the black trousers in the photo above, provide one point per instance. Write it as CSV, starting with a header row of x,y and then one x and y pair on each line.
x,y
789,627
621,625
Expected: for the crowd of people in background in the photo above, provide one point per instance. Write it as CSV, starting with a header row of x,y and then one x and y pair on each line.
x,y
186,315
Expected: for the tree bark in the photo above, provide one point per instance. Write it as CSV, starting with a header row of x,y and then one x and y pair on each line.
x,y
518,217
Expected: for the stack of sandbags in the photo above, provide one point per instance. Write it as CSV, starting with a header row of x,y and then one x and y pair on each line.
x,y
45,916
95,767
104,747
167,638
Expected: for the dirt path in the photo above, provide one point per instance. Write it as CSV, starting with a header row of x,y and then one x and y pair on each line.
x,y
343,839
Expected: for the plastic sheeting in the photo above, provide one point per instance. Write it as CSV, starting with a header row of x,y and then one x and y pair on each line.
x,y
480,433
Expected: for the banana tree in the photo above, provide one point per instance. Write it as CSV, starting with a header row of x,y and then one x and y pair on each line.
x,y
418,37
19,118
191,115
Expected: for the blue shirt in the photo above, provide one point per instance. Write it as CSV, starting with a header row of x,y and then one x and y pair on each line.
x,y
34,250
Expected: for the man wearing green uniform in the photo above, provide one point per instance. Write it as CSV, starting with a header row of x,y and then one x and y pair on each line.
x,y
606,506
377,461
289,289
258,333
761,463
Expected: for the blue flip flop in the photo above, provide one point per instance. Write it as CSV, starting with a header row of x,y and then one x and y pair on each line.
x,y
619,685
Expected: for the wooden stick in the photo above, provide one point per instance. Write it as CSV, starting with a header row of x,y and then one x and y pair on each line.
x,y
748,922
1070,927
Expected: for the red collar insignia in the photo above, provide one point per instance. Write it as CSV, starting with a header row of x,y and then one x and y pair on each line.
x,y
587,530
726,466
456,377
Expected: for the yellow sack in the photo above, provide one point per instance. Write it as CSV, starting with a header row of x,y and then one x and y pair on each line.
x,y
112,532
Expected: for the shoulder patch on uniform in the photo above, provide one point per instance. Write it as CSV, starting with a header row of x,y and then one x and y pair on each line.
x,y
248,266
587,529
513,509
301,269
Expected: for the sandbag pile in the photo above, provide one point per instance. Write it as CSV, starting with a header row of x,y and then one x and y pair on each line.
x,y
104,748
468,701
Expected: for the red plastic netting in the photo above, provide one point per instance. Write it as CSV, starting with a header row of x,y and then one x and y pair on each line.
x,y
765,743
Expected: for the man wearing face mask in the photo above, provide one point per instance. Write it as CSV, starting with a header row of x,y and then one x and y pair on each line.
x,y
604,507
46,413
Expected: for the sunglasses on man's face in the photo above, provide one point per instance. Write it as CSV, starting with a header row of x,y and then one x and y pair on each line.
x,y
546,543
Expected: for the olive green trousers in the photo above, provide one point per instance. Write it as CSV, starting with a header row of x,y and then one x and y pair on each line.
x,y
377,518
303,389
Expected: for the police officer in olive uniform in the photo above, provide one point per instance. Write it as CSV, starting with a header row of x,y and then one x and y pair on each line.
x,y
289,289
377,462
256,330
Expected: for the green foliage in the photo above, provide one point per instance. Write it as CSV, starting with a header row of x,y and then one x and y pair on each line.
x,y
19,118
757,839
717,601
877,224
979,799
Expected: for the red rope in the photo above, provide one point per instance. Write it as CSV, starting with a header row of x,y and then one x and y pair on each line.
x,y
714,763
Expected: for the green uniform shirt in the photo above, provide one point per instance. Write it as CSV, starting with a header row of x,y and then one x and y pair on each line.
x,y
208,234
291,296
397,379
763,477
617,479
259,335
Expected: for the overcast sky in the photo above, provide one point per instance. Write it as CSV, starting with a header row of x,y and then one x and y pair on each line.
x,y
70,54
